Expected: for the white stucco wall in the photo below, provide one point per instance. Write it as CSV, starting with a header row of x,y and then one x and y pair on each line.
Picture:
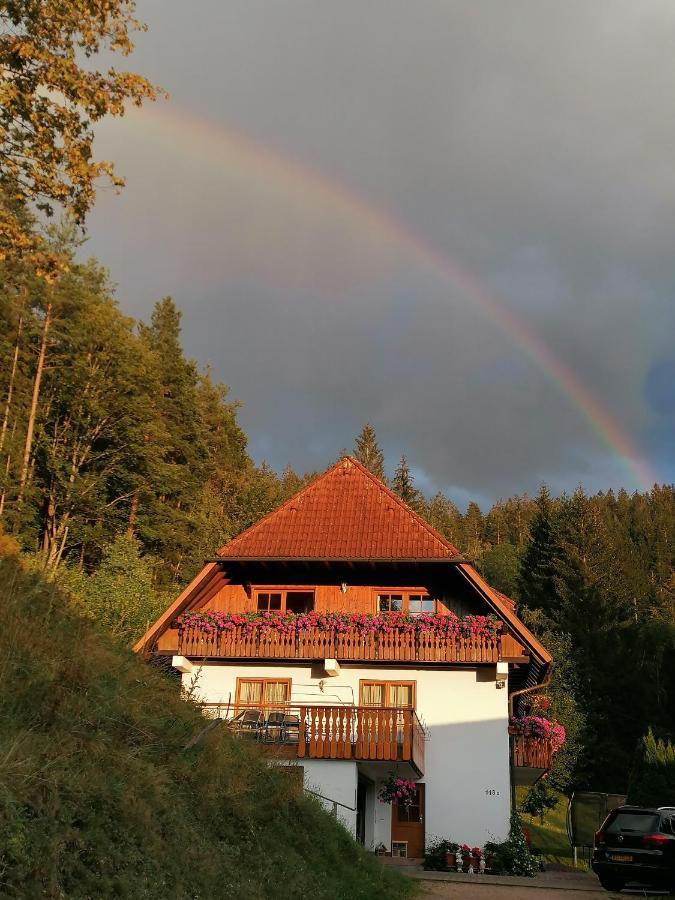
x,y
337,780
467,754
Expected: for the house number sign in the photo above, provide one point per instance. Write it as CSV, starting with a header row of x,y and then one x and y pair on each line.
x,y
491,792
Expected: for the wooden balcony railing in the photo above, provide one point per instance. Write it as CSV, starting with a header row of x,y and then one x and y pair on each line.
x,y
315,643
333,732
530,752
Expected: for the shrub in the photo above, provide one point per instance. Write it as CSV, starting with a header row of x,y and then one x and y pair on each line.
x,y
652,781
435,855
513,856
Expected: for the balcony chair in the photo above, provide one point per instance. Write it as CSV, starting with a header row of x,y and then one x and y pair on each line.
x,y
248,721
291,729
272,730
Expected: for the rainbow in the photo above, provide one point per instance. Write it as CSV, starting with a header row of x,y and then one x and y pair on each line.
x,y
210,140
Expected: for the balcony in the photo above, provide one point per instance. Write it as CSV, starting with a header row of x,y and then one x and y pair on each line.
x,y
530,758
359,733
316,644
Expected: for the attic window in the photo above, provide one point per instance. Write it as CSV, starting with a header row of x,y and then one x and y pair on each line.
x,y
285,601
412,604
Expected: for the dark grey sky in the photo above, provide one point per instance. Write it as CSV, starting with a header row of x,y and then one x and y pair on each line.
x,y
531,143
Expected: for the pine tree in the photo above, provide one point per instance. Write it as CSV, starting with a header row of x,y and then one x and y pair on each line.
x,y
536,580
368,451
186,464
444,516
403,484
472,531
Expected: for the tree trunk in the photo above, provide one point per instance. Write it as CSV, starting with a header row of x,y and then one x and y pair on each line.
x,y
34,404
10,389
133,512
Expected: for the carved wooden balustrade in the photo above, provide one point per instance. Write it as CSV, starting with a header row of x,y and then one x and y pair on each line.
x,y
531,752
352,644
315,731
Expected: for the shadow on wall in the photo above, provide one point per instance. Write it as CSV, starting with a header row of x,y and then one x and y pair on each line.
x,y
467,773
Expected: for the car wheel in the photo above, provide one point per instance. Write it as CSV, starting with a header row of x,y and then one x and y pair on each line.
x,y
611,884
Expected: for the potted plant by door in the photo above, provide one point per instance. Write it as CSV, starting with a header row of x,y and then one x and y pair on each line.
x,y
380,850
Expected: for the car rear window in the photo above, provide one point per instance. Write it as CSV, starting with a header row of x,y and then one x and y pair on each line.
x,y
633,821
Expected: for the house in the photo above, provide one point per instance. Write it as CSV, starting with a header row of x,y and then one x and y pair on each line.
x,y
353,642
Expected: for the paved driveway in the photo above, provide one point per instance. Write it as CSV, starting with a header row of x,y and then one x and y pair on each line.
x,y
549,886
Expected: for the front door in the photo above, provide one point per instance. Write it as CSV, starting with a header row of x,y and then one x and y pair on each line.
x,y
407,824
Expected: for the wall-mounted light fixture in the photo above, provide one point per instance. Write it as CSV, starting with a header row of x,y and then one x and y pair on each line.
x,y
343,587
502,675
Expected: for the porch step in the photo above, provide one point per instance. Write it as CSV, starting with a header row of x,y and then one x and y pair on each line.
x,y
400,861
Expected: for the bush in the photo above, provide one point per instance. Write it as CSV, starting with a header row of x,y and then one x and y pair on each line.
x,y
652,781
435,855
513,856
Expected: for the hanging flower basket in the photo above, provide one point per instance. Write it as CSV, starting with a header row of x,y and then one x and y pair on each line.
x,y
398,791
539,728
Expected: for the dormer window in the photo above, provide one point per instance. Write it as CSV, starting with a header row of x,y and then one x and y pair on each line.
x,y
285,601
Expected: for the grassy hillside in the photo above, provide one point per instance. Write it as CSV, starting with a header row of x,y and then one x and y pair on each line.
x,y
549,839
98,798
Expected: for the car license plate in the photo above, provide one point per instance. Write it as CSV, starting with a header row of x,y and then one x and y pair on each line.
x,y
620,857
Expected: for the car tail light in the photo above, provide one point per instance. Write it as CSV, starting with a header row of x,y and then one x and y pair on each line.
x,y
655,841
599,838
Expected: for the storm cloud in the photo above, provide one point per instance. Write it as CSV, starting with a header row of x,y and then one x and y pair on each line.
x,y
308,154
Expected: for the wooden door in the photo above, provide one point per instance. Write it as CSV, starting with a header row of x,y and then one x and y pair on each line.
x,y
407,824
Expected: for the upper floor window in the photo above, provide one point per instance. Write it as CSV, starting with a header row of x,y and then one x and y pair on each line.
x,y
285,601
387,693
263,692
413,604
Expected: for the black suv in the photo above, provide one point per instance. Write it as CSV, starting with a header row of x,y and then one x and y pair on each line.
x,y
636,844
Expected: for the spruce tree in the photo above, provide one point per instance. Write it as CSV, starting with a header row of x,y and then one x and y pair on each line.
x,y
403,484
536,580
368,451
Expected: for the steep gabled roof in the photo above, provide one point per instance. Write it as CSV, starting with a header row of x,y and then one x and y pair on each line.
x,y
347,513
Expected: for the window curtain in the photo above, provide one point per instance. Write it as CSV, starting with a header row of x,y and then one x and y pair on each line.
x,y
250,691
400,695
372,695
276,692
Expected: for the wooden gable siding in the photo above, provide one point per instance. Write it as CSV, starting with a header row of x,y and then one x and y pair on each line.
x,y
235,591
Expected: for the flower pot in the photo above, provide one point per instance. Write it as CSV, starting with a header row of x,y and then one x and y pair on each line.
x,y
451,860
489,863
473,861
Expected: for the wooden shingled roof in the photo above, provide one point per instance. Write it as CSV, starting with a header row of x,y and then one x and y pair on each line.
x,y
346,513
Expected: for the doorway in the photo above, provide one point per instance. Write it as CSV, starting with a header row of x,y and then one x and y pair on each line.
x,y
407,825
361,795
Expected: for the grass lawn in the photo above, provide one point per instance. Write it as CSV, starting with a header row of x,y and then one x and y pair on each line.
x,y
550,839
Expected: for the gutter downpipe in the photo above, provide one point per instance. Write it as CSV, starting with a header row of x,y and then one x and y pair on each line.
x,y
521,693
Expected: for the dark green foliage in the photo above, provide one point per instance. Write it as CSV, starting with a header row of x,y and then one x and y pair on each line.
x,y
513,856
539,800
404,485
598,573
652,781
100,798
436,854
500,567
368,451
